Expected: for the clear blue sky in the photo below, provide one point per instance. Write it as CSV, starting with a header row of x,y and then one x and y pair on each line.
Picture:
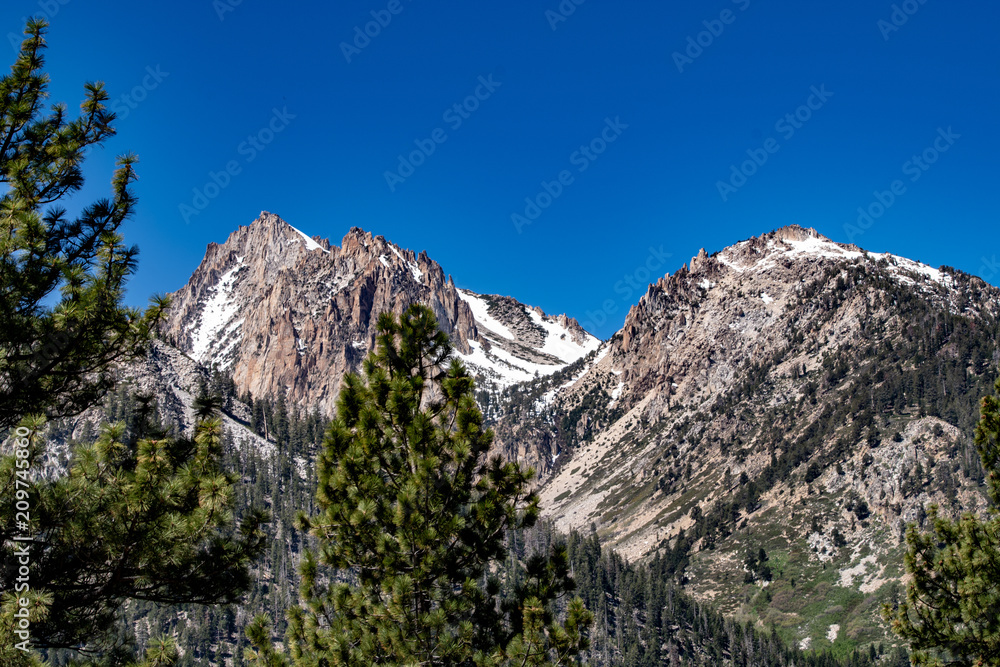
x,y
554,85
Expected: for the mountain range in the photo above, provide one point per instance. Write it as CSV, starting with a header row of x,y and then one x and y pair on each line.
x,y
763,426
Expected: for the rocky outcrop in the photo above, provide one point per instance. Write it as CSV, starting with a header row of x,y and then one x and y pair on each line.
x,y
286,314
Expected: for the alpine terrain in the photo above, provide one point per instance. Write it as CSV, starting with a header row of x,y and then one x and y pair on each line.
x,y
758,434
768,420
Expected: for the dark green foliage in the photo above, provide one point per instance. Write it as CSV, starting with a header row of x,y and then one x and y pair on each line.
x,y
139,514
411,517
757,567
952,610
643,618
62,322
147,520
275,480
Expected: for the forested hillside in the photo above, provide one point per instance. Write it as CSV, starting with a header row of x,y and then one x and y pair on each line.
x,y
642,616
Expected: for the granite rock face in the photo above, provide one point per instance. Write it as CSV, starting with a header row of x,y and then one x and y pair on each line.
x,y
749,345
286,314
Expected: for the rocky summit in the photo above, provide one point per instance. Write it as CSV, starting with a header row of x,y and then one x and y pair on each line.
x,y
287,315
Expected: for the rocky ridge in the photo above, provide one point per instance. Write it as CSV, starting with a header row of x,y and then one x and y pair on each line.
x,y
288,315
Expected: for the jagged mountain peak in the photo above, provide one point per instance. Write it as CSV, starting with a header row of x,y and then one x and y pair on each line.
x,y
797,233
273,227
749,296
289,314
784,251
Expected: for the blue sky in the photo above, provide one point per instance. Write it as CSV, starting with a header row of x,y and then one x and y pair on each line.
x,y
626,124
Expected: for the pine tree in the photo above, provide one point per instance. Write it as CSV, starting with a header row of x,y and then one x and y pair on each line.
x,y
151,520
135,517
952,610
62,322
411,527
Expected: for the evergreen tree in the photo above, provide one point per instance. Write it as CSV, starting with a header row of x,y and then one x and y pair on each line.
x,y
952,610
412,523
62,322
146,521
136,516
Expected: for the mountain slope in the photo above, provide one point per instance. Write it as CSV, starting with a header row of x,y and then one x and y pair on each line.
x,y
789,394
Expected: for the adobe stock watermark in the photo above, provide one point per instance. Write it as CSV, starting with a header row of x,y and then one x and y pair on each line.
x,y
455,116
914,168
248,149
634,281
989,269
22,521
696,44
46,9
901,13
363,36
787,126
581,158
125,103
223,7
561,13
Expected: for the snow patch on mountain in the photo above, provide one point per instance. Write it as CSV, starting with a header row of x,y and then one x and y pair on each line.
x,y
616,394
815,246
495,369
414,268
728,263
480,311
559,342
505,367
310,244
818,246
216,314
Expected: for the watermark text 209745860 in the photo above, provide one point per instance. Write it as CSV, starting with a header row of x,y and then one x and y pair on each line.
x,y
22,520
